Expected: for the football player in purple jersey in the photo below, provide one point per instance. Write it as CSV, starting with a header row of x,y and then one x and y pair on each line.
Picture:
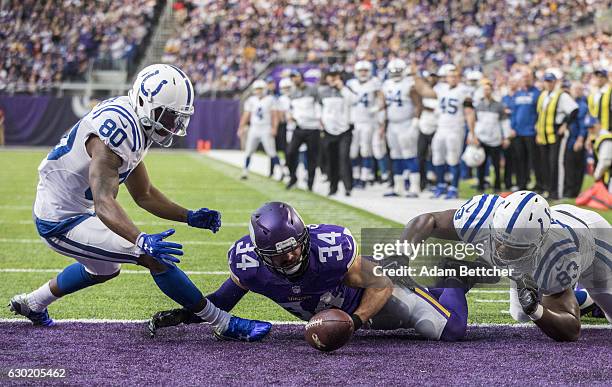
x,y
309,268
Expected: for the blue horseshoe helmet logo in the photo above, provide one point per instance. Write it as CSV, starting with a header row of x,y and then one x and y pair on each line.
x,y
157,89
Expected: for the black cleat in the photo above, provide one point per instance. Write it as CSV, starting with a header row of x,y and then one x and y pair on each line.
x,y
170,318
291,183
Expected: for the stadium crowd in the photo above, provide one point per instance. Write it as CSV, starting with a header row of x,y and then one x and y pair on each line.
x,y
223,45
562,75
44,42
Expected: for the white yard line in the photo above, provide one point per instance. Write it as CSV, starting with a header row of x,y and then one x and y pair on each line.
x,y
492,301
19,320
138,223
209,243
189,272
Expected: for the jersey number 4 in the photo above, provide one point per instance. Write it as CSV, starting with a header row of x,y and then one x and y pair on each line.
x,y
246,261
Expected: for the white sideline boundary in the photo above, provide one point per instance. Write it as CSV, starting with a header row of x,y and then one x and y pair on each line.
x,y
119,321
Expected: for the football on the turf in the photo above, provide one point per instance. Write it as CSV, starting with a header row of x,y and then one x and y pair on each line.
x,y
329,330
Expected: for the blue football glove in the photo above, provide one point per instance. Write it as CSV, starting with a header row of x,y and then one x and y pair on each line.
x,y
205,218
155,246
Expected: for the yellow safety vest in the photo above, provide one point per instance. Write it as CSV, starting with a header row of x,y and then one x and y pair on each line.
x,y
545,126
602,137
601,109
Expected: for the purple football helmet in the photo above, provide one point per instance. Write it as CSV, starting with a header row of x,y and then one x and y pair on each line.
x,y
277,230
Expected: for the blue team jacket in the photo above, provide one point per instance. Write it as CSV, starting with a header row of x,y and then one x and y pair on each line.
x,y
524,113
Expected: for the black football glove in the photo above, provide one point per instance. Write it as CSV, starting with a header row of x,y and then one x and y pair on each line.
x,y
528,293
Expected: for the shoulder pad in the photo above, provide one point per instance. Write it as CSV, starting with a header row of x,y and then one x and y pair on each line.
x,y
333,246
472,219
242,260
117,127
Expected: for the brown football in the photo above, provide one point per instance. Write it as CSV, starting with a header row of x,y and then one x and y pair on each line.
x,y
329,330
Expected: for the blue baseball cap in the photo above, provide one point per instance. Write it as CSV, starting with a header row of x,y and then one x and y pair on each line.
x,y
550,77
601,73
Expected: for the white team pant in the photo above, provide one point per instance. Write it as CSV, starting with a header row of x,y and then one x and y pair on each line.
x,y
363,139
94,245
255,136
447,146
412,309
402,139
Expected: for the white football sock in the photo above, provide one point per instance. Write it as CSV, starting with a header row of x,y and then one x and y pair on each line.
x,y
415,182
214,316
398,185
40,298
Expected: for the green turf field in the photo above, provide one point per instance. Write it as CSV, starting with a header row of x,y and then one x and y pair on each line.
x,y
193,181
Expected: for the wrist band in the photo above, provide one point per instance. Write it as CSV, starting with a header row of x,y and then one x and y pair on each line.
x,y
357,323
537,314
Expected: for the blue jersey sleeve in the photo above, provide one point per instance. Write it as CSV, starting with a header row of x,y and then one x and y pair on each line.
x,y
472,220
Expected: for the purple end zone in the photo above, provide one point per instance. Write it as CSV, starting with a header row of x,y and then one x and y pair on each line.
x,y
124,354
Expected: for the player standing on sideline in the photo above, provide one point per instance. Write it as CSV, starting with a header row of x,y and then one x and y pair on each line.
x,y
77,214
367,103
309,268
549,249
262,126
455,109
403,107
428,122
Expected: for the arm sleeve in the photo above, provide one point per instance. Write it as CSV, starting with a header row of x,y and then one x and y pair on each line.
x,y
605,160
569,105
583,130
227,296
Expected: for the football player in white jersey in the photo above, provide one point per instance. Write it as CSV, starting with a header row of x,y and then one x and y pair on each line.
x,y
455,109
260,117
403,107
367,140
549,249
77,214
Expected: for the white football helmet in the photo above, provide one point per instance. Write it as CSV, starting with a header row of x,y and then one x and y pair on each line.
x,y
285,86
259,87
445,69
162,96
473,75
363,70
520,224
396,68
473,156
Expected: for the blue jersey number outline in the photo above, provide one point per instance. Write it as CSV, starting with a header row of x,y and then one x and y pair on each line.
x,y
449,105
116,135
